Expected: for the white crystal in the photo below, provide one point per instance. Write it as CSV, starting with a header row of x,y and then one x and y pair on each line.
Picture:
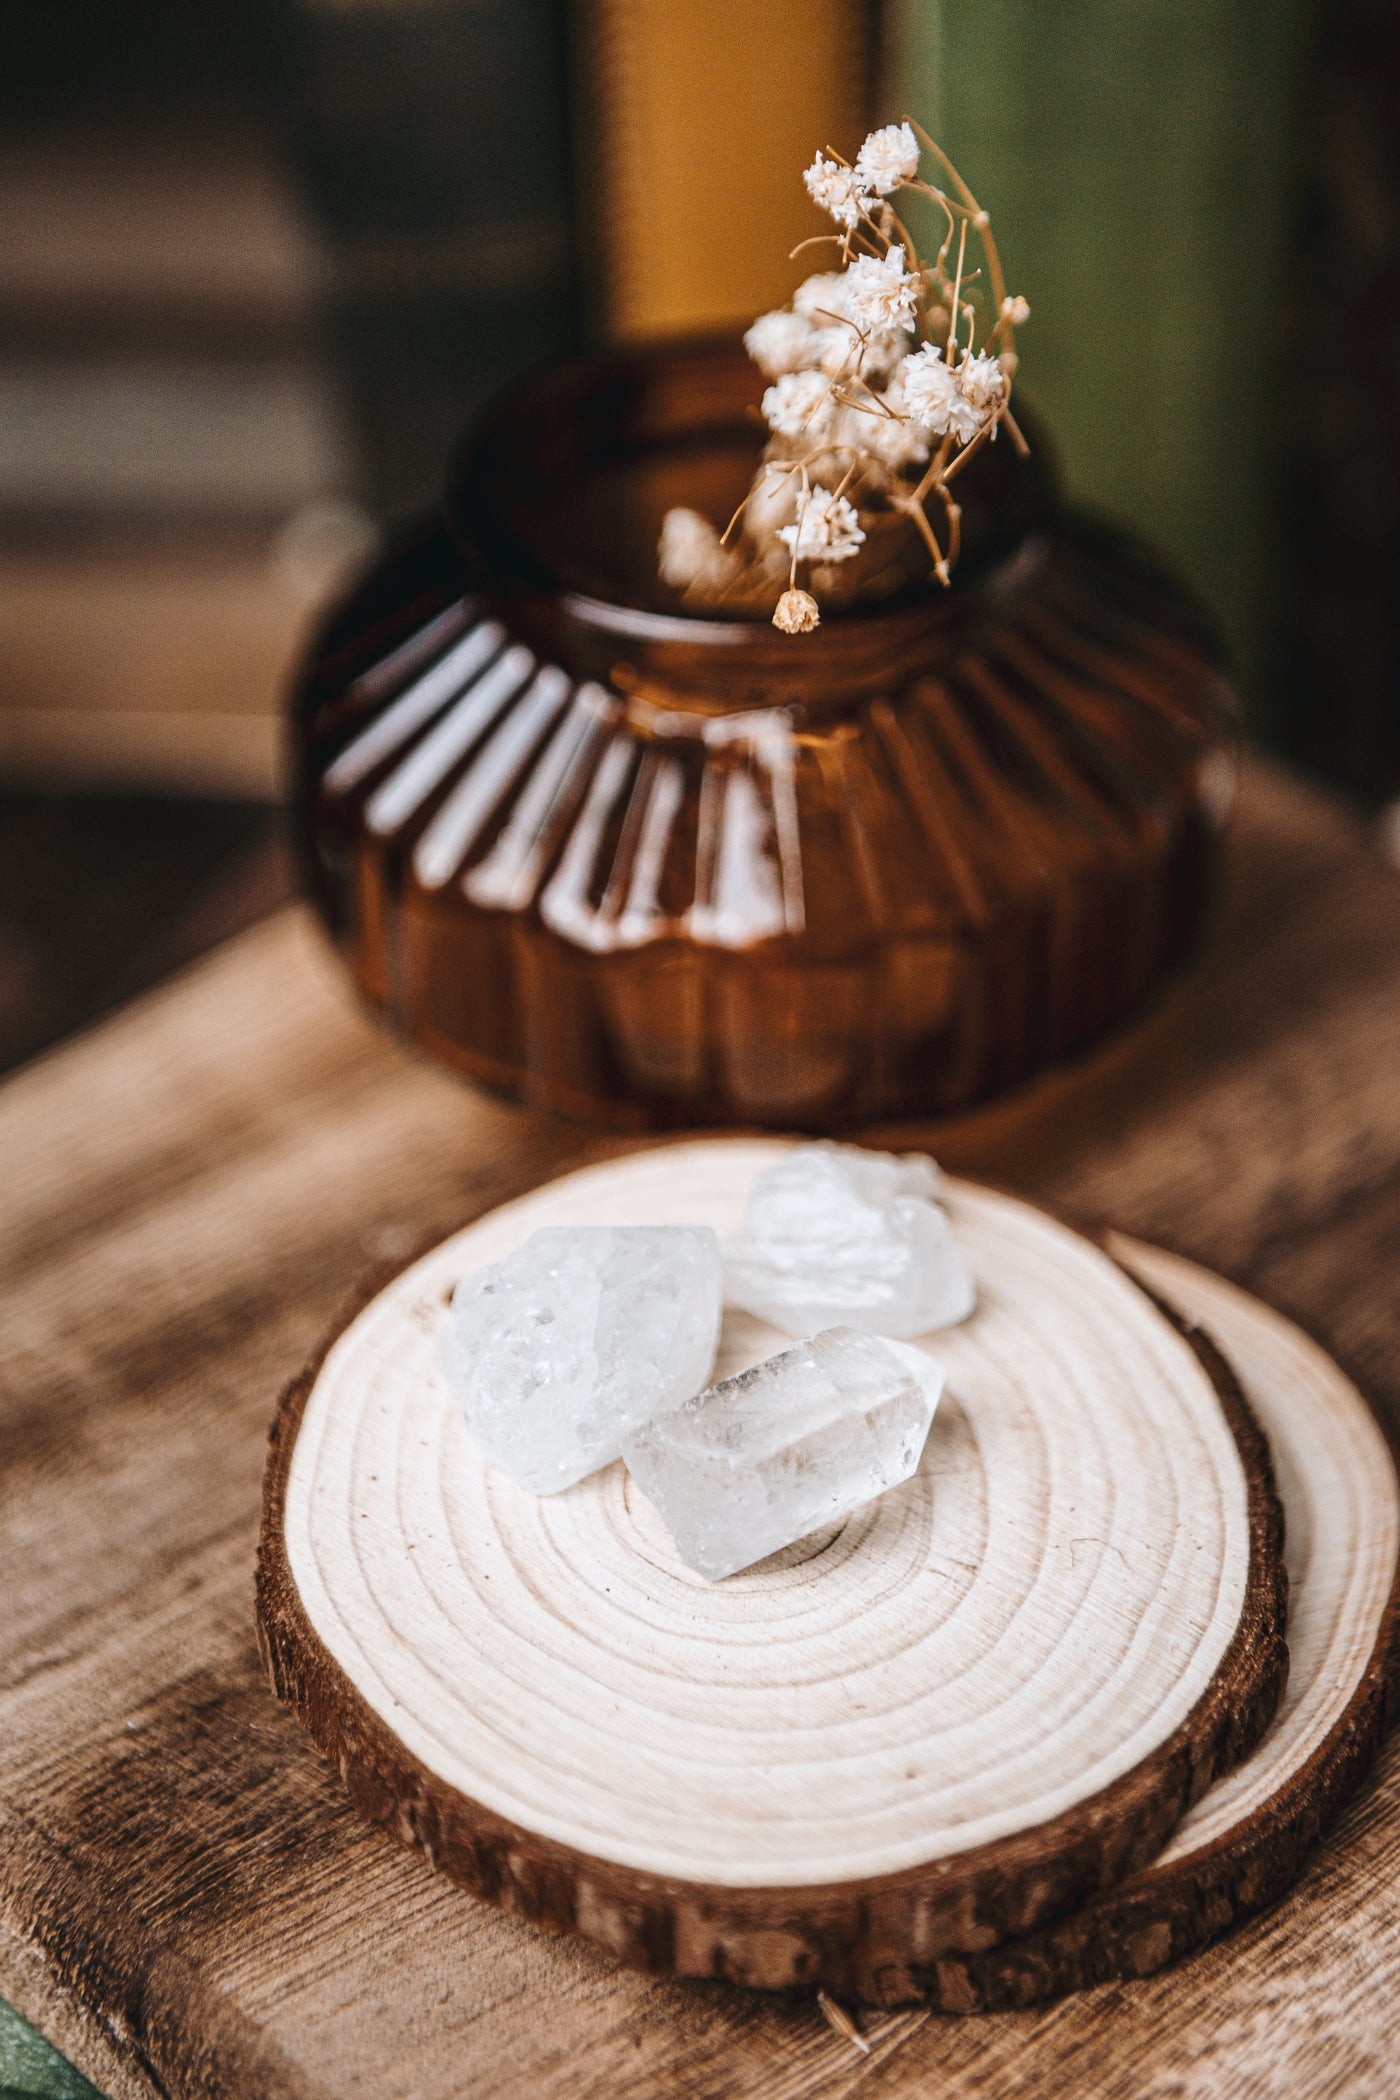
x,y
572,1342
838,1235
797,1442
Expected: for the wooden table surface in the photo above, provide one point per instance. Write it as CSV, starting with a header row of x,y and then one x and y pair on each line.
x,y
188,1904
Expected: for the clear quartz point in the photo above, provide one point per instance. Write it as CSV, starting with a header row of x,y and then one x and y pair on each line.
x,y
570,1344
838,1235
797,1442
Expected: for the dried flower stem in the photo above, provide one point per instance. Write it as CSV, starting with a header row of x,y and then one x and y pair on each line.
x,y
918,516
840,2022
970,205
957,292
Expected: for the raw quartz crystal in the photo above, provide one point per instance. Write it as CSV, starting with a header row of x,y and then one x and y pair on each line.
x,y
797,1442
570,1344
836,1235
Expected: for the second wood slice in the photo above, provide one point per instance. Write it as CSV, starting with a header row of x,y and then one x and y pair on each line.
x,y
1245,1842
983,1697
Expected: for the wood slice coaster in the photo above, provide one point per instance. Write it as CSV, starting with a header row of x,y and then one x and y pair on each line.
x,y
1243,1845
985,1696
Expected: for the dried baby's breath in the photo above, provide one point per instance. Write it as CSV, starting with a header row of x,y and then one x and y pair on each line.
x,y
927,391
878,295
826,528
800,404
981,382
819,297
780,342
796,612
888,158
880,389
835,188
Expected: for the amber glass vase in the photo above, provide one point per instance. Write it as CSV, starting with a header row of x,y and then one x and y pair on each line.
x,y
650,866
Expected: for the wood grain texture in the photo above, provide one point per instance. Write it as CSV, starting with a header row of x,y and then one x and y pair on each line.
x,y
190,1193
1245,1841
986,1694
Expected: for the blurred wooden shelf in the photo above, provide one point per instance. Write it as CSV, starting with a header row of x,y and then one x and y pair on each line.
x,y
153,670
174,468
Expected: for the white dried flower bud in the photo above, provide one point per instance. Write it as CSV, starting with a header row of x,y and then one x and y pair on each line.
x,y
836,350
878,294
926,389
827,528
799,405
689,548
780,342
844,354
964,421
883,433
888,157
797,612
835,189
1016,311
981,382
945,401
819,297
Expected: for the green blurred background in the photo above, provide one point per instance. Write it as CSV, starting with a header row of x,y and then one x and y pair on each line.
x,y
1143,160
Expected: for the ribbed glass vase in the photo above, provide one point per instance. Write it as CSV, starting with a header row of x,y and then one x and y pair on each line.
x,y
649,866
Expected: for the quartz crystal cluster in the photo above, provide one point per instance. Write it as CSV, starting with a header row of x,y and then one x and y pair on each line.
x,y
838,1235
562,1349
592,1342
797,1442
